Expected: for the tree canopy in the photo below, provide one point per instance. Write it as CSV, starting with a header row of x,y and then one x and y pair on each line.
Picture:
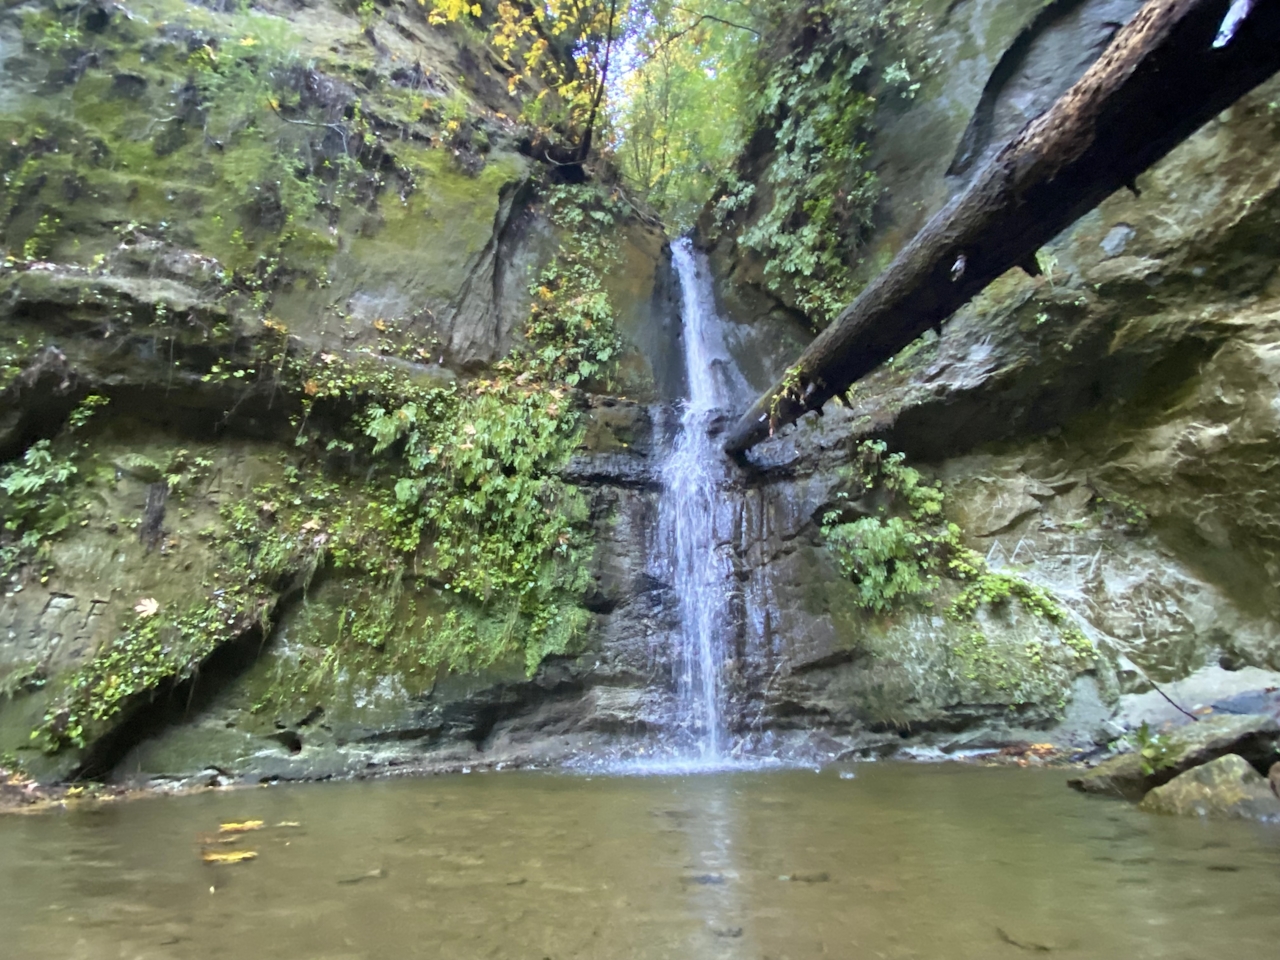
x,y
762,108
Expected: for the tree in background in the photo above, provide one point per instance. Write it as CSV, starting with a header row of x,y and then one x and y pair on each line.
x,y
560,51
680,109
763,108
766,108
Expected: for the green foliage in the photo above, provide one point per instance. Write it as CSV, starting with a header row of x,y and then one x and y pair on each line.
x,y
571,336
1127,512
807,80
466,488
897,552
680,117
1155,750
33,503
34,494
85,410
891,538
818,94
149,651
14,357
479,464
886,557
789,389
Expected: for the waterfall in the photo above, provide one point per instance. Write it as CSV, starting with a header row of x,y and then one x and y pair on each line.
x,y
696,517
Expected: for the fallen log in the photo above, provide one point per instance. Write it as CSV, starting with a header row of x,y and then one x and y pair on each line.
x,y
1172,68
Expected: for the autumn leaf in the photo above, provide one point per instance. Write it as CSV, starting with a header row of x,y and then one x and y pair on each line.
x,y
243,827
146,607
228,856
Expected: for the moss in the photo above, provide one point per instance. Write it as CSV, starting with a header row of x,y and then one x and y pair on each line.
x,y
216,135
146,653
443,497
239,147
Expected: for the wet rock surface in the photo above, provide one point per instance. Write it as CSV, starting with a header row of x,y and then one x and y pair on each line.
x,y
1107,431
1131,776
1104,431
1226,788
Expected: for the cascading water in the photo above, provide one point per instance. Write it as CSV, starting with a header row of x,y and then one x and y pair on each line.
x,y
696,517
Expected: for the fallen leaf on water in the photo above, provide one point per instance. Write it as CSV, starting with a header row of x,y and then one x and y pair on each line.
x,y
288,823
1030,945
227,856
375,874
244,827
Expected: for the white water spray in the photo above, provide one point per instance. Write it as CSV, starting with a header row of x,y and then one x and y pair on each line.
x,y
696,516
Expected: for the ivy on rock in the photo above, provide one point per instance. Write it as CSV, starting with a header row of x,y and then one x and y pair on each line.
x,y
444,497
890,536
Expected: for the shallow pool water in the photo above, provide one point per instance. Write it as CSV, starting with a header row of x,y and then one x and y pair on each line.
x,y
899,861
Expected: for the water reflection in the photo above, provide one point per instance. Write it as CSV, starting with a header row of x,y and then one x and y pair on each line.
x,y
713,882
943,863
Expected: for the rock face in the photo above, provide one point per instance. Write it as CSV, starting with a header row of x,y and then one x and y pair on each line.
x,y
1192,745
1226,788
1106,433
191,192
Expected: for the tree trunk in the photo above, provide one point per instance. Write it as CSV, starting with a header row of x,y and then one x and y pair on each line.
x,y
1164,75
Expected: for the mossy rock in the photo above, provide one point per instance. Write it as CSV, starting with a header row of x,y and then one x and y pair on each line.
x,y
1251,735
1227,788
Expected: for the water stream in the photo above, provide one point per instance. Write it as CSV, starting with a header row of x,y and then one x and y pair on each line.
x,y
905,862
696,516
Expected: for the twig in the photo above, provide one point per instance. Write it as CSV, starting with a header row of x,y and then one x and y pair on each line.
x,y
715,19
1156,687
346,147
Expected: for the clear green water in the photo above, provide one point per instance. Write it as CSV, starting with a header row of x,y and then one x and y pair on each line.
x,y
902,862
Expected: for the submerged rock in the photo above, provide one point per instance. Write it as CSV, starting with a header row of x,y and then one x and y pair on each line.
x,y
1227,788
1250,735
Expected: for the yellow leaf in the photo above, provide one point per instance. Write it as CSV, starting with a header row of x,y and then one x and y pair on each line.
x,y
248,42
228,856
244,827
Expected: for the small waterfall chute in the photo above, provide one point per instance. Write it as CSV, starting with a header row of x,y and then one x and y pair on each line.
x,y
696,515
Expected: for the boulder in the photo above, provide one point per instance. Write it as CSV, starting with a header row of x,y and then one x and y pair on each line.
x,y
1252,736
1226,788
